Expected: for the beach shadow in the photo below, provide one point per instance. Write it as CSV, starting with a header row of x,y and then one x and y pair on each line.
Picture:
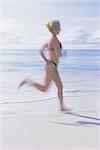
x,y
82,116
88,123
62,123
77,123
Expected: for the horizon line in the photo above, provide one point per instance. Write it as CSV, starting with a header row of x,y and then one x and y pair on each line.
x,y
38,49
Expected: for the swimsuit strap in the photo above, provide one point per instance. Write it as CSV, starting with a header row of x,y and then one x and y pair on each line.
x,y
53,63
60,44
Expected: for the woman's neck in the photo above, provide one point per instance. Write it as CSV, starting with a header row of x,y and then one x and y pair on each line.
x,y
54,35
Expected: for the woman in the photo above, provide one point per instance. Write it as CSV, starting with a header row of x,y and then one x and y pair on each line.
x,y
54,48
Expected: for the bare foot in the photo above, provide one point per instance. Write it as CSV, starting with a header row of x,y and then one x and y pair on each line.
x,y
23,83
66,109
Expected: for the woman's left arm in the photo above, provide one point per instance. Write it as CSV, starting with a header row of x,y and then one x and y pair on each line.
x,y
42,53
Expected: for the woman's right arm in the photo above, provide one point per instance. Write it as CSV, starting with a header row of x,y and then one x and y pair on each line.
x,y
42,52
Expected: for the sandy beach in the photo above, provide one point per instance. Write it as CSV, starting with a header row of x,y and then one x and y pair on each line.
x,y
50,132
31,120
49,129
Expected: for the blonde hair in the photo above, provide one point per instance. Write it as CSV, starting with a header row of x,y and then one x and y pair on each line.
x,y
52,24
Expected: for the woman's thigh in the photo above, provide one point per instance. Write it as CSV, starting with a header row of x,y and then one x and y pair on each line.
x,y
49,71
56,79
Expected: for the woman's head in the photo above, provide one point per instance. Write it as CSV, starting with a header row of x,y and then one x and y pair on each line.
x,y
53,26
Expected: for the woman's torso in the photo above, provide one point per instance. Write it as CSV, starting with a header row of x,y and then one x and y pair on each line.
x,y
51,49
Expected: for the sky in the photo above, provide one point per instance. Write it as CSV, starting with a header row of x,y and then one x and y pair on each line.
x,y
22,23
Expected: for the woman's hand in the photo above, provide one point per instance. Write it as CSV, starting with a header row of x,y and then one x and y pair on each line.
x,y
64,53
48,61
42,52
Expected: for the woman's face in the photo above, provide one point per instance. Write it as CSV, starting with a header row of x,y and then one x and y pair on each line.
x,y
57,29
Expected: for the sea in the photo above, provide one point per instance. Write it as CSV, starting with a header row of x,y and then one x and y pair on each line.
x,y
79,71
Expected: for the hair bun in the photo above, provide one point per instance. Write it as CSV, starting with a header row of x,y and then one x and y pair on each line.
x,y
48,24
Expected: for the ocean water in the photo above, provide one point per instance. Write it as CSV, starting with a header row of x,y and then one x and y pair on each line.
x,y
79,72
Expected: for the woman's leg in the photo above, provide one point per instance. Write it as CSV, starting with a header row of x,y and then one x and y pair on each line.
x,y
59,86
47,81
48,77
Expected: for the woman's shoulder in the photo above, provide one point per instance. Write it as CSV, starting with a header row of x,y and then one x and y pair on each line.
x,y
51,41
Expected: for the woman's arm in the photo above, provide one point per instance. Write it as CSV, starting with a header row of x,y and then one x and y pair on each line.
x,y
42,53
